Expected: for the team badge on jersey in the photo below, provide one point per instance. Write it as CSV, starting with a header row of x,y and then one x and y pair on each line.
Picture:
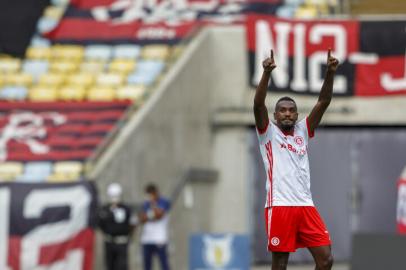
x,y
299,140
275,241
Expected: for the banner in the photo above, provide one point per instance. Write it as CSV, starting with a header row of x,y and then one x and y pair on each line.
x,y
51,131
47,226
371,54
219,251
401,208
158,21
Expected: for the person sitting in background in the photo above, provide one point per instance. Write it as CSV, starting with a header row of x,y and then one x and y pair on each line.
x,y
154,236
117,224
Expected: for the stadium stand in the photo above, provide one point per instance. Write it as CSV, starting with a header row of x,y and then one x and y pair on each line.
x,y
90,86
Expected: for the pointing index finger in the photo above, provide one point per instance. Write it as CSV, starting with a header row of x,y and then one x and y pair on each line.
x,y
329,53
271,54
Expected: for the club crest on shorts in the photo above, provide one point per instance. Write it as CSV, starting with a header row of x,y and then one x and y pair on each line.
x,y
275,241
299,140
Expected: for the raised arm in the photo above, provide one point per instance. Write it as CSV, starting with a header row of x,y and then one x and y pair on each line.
x,y
326,93
260,110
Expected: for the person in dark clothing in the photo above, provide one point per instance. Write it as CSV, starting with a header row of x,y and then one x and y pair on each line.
x,y
117,223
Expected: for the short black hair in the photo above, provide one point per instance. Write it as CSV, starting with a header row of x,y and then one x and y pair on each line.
x,y
151,188
285,98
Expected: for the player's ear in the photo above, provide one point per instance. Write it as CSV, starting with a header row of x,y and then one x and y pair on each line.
x,y
274,116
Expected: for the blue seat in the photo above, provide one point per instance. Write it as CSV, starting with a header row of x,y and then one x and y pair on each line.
x,y
287,12
13,92
150,66
98,52
35,67
139,78
36,172
126,51
46,24
38,41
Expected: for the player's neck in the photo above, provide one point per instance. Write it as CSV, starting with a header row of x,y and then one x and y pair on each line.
x,y
287,131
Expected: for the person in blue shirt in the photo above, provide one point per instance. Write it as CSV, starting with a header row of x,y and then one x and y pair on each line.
x,y
155,219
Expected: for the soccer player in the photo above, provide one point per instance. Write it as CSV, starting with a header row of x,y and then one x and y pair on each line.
x,y
292,221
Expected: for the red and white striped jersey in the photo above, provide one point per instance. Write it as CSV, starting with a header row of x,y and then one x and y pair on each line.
x,y
287,165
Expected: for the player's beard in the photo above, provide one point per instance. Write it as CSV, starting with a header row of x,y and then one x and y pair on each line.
x,y
287,125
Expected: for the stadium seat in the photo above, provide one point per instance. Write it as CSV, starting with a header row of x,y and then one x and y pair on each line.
x,y
20,79
10,170
309,12
81,79
132,92
141,79
9,65
38,41
126,51
100,93
72,129
286,12
46,24
60,2
72,93
109,80
52,79
150,66
35,67
54,12
63,178
36,171
64,67
155,52
43,93
294,3
70,169
39,53
98,52
13,93
68,52
93,66
121,66
89,142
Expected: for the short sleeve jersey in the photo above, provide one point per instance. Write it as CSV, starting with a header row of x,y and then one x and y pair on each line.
x,y
286,164
156,232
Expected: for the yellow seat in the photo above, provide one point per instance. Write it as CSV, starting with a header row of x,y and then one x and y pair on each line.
x,y
305,12
72,93
43,53
110,79
43,93
54,12
101,94
68,52
10,65
133,92
63,178
52,79
82,79
68,167
9,170
20,79
155,52
122,66
65,67
93,67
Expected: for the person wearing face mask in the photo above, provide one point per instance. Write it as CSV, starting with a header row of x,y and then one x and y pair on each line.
x,y
154,236
116,221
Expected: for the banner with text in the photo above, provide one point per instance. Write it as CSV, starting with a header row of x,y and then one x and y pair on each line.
x,y
401,208
158,21
47,226
371,54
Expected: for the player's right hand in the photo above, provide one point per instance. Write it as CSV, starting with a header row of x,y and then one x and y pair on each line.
x,y
269,63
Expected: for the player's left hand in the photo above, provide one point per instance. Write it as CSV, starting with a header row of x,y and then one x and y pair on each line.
x,y
332,62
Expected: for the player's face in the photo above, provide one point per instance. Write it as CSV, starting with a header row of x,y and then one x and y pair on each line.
x,y
286,114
